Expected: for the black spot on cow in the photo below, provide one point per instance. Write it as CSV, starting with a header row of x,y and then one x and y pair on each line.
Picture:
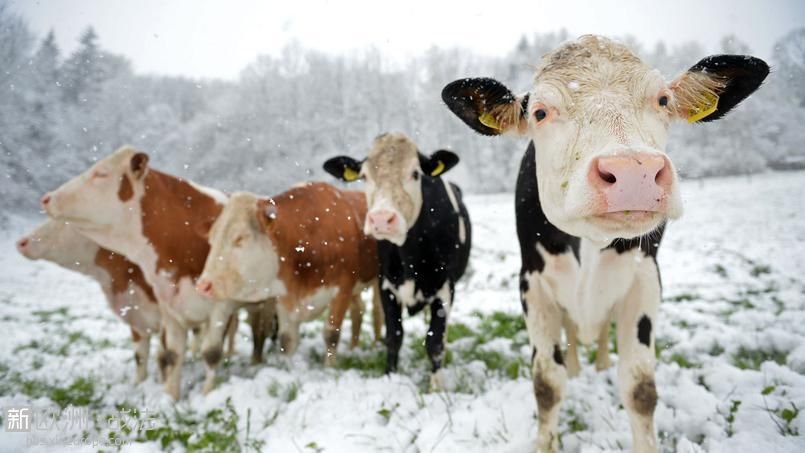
x,y
546,396
533,354
644,330
557,355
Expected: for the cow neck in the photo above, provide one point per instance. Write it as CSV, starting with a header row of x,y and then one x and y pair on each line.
x,y
121,272
173,213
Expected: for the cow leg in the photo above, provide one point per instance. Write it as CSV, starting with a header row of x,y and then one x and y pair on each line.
x,y
356,309
332,328
636,316
377,312
434,341
195,341
232,334
602,354
219,323
572,353
257,321
142,343
394,329
172,357
288,330
544,321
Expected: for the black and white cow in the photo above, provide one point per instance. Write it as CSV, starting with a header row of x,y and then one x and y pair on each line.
x,y
423,232
594,192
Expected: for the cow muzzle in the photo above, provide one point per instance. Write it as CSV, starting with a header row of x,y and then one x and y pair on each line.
x,y
206,288
634,182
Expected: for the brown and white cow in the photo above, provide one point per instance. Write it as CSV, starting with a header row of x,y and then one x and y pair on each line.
x,y
158,221
594,192
306,248
129,296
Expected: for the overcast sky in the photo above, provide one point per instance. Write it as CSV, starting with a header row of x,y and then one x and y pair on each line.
x,y
219,38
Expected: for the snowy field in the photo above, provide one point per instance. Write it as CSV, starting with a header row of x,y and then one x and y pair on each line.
x,y
731,348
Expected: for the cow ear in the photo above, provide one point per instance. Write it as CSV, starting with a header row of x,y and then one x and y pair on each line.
x,y
267,212
138,164
344,168
438,163
715,85
487,106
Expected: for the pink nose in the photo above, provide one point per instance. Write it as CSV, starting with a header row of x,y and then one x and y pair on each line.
x,y
204,287
632,182
383,221
22,244
45,200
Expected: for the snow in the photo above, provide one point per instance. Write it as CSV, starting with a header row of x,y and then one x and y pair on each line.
x,y
734,295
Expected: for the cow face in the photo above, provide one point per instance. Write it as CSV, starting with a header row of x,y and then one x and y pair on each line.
x,y
102,196
243,263
393,173
599,119
59,243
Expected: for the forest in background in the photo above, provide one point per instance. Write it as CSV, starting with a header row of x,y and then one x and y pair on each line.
x,y
285,114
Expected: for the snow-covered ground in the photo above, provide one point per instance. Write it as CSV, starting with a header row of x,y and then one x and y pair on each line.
x,y
731,350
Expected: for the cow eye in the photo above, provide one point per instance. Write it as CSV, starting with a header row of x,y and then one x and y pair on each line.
x,y
238,240
540,114
663,101
99,174
415,175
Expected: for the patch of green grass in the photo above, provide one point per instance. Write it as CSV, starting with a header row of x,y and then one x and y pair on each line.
x,y
682,361
684,297
215,431
499,324
80,392
720,270
457,331
716,350
46,316
760,269
730,418
751,359
369,363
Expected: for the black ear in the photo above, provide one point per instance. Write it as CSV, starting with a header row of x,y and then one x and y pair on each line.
x,y
344,168
438,163
740,74
486,105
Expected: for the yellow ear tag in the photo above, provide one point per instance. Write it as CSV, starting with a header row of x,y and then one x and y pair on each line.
x,y
488,120
438,170
706,106
350,174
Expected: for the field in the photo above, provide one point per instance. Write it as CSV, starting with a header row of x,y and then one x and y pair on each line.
x,y
731,349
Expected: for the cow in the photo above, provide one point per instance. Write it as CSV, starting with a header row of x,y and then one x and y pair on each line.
x,y
157,221
129,296
423,232
594,192
304,247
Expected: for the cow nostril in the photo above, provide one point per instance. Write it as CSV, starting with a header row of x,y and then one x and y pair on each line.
x,y
23,243
391,219
607,176
46,199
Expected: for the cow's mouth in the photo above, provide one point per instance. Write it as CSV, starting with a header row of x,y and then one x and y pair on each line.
x,y
628,223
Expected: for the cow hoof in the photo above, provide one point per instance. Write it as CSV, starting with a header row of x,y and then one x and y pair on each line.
x,y
330,360
602,363
140,377
437,383
573,369
209,385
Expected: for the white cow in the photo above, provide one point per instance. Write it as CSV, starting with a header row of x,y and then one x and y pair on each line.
x,y
594,192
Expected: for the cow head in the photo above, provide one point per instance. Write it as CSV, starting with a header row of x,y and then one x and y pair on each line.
x,y
393,173
599,120
59,243
103,196
243,263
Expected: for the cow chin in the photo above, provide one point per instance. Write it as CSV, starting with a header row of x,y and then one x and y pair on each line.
x,y
624,224
396,239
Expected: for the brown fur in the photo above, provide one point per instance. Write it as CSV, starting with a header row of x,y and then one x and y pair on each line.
x,y
295,225
171,210
135,336
546,396
644,396
122,272
125,192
